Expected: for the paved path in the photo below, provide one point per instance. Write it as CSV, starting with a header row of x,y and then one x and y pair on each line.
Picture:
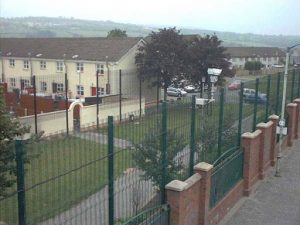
x,y
277,199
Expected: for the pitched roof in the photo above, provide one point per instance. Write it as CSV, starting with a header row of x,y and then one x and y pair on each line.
x,y
93,49
254,52
186,37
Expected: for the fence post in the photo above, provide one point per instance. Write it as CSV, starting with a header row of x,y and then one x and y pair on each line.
x,y
120,94
34,103
277,93
293,81
255,105
20,182
110,170
268,98
298,90
164,152
66,103
221,118
192,143
241,114
97,98
140,97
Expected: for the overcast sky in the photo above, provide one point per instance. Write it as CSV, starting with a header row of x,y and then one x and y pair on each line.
x,y
255,16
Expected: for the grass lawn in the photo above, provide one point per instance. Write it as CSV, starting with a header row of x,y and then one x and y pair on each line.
x,y
66,171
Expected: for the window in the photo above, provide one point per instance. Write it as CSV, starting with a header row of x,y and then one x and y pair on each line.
x,y
25,84
12,82
43,86
241,59
79,90
59,66
79,67
101,91
26,64
100,68
11,62
59,87
42,65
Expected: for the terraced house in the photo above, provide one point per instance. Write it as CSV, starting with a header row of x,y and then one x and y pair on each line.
x,y
269,56
82,59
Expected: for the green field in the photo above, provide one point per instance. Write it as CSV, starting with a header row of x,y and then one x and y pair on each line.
x,y
65,171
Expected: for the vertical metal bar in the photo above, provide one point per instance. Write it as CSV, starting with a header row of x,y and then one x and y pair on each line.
x,y
221,120
192,137
34,104
240,115
268,98
140,96
255,105
164,152
298,91
97,97
277,94
120,94
110,170
293,84
66,103
20,182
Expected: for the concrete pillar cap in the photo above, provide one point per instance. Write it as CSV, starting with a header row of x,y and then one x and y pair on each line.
x,y
297,100
251,135
176,185
203,166
273,117
292,105
264,125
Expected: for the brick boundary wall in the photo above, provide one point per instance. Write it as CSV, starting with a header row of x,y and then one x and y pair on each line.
x,y
297,101
189,200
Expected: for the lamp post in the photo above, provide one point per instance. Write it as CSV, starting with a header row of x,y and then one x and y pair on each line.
x,y
2,67
282,119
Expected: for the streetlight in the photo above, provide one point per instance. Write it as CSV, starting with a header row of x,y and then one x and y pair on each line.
x,y
282,119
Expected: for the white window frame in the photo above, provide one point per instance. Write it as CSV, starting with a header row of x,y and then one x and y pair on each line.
x,y
59,66
43,65
26,83
26,64
59,87
100,68
80,90
43,86
79,67
101,91
12,82
11,63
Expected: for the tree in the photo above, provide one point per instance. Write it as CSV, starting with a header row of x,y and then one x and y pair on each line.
x,y
117,33
148,156
203,53
162,58
253,66
9,129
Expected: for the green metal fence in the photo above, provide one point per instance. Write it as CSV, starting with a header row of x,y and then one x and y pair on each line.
x,y
225,176
117,173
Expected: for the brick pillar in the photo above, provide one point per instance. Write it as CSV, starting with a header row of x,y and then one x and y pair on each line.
x,y
297,101
205,170
265,147
273,153
291,109
183,198
251,144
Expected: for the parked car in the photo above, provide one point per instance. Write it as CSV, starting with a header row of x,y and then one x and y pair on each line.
x,y
248,91
250,98
235,85
189,88
176,92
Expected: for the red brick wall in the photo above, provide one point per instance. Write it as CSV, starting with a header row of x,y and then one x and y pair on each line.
x,y
226,204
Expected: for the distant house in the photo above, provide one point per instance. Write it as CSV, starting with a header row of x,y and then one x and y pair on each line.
x,y
268,56
80,58
295,56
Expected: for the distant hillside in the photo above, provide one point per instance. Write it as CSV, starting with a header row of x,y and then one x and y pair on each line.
x,y
69,27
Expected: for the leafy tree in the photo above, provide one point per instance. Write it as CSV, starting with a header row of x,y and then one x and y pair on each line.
x,y
253,65
162,58
117,33
9,129
203,53
148,156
